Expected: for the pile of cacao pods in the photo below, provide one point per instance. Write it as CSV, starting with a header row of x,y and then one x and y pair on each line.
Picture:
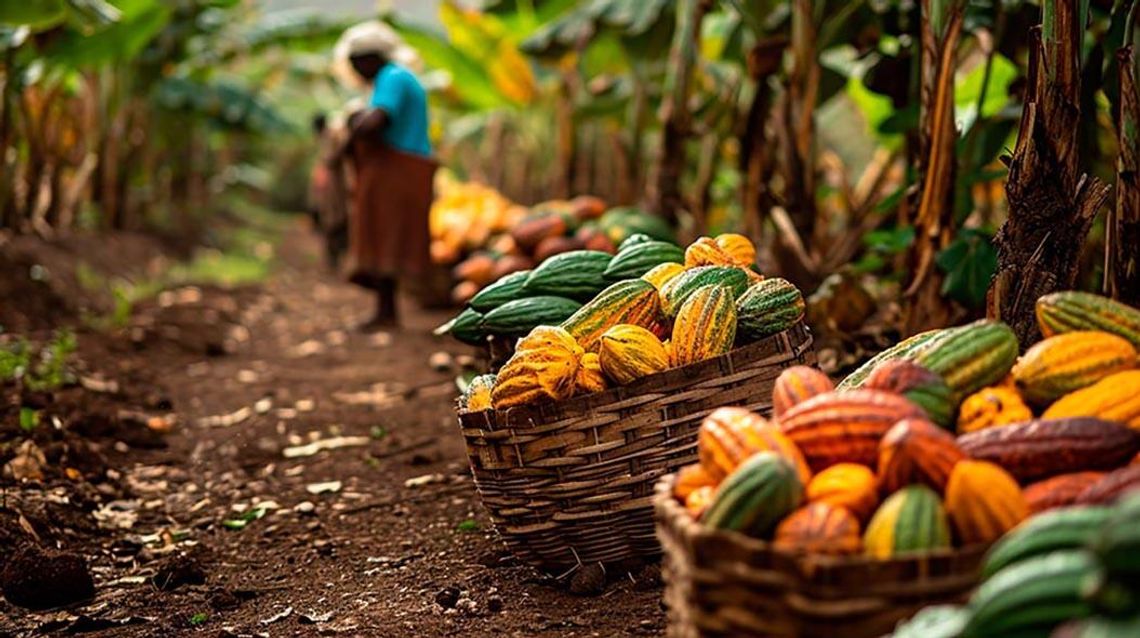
x,y
668,308
948,439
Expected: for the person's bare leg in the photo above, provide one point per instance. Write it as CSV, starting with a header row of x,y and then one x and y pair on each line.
x,y
386,315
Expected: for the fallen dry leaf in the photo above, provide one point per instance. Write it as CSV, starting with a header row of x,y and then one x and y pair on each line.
x,y
426,479
333,443
226,420
28,464
326,487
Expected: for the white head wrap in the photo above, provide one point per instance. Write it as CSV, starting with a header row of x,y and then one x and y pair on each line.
x,y
370,37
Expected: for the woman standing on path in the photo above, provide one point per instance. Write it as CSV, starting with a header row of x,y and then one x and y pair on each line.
x,y
389,148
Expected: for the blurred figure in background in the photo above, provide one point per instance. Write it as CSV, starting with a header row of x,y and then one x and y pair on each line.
x,y
388,145
329,186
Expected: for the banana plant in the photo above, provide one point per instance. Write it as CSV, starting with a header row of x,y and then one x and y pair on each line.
x,y
942,23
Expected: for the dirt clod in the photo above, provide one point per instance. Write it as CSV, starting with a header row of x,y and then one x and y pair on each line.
x,y
178,570
38,578
590,580
447,597
494,603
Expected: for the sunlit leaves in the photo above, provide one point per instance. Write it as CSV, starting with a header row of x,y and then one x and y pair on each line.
x,y
470,83
635,20
36,14
996,95
139,23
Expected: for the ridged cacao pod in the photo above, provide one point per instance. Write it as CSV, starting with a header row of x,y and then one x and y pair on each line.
x,y
1111,486
796,385
992,407
1071,310
819,528
921,386
1059,365
917,451
689,478
839,427
1114,398
1038,449
660,274
631,302
848,485
699,499
629,353
738,247
971,357
477,397
1060,491
756,497
729,436
706,252
910,520
544,367
590,378
705,326
983,502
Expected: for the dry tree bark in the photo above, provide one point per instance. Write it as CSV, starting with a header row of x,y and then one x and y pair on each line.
x,y
1051,201
934,221
1122,231
675,116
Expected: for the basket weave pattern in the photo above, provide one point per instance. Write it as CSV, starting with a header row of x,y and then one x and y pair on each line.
x,y
720,584
572,482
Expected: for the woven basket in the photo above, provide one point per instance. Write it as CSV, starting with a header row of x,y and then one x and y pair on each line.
x,y
571,483
721,584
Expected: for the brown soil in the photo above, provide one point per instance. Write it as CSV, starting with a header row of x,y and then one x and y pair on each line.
x,y
385,537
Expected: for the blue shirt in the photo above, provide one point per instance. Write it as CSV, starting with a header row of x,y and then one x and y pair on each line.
x,y
398,93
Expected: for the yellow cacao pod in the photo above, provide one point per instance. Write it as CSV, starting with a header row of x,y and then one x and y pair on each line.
x,y
1114,398
630,352
992,407
544,367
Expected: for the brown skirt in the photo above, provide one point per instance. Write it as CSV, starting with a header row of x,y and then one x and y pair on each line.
x,y
388,226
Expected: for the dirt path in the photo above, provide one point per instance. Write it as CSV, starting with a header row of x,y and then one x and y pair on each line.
x,y
252,536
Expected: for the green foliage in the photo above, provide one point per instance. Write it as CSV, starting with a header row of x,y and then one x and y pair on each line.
x,y
42,369
469,83
882,245
969,263
44,14
29,419
643,25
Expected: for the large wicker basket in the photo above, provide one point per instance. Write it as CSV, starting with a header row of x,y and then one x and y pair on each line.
x,y
722,584
571,483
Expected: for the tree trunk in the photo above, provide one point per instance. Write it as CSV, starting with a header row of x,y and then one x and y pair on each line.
x,y
937,165
794,127
755,148
799,105
639,117
702,186
567,138
676,119
1122,231
1051,201
8,172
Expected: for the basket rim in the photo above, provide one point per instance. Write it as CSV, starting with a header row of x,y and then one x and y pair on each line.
x,y
798,338
672,514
